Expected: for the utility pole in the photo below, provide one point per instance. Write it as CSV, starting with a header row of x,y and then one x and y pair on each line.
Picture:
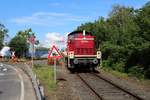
x,y
32,42
55,80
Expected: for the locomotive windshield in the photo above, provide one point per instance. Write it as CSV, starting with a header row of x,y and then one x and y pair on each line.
x,y
77,32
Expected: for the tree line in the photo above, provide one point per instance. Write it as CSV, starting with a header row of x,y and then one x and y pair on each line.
x,y
124,39
19,43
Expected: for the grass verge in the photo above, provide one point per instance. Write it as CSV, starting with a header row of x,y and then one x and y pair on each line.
x,y
45,75
116,73
126,76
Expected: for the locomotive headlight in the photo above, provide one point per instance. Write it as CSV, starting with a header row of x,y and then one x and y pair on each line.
x,y
71,54
99,55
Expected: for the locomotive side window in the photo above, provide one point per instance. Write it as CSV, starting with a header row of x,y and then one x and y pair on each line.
x,y
71,37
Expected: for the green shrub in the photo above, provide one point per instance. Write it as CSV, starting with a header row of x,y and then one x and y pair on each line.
x,y
136,71
118,67
106,63
147,73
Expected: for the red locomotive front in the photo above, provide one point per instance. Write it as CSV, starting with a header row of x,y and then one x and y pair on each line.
x,y
81,50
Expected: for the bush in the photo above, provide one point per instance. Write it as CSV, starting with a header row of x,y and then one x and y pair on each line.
x,y
136,71
118,66
147,73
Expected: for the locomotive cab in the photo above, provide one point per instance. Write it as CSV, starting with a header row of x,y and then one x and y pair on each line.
x,y
81,50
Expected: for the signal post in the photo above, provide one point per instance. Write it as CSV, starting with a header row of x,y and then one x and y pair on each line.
x,y
53,56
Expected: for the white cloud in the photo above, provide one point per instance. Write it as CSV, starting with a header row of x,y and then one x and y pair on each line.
x,y
50,19
54,38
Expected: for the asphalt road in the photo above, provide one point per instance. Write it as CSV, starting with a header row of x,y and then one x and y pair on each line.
x,y
13,83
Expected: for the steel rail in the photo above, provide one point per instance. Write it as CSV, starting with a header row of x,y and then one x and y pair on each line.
x,y
100,97
115,85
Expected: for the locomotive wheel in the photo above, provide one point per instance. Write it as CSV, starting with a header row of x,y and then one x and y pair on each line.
x,y
66,62
93,69
72,70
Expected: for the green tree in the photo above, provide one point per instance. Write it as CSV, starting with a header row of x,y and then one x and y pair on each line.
x,y
19,43
124,39
143,20
143,50
121,25
100,31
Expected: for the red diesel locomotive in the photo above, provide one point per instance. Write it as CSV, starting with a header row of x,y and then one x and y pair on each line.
x,y
81,50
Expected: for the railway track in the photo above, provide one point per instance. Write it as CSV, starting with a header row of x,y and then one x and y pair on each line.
x,y
90,87
103,88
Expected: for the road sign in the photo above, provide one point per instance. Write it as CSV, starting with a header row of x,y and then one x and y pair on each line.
x,y
32,39
54,53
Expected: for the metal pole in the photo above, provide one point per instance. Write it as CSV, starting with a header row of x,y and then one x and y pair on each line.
x,y
101,62
55,70
32,53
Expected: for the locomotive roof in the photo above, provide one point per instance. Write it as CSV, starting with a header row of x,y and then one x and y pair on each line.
x,y
76,32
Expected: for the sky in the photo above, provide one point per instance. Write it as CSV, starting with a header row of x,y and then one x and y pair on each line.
x,y
51,20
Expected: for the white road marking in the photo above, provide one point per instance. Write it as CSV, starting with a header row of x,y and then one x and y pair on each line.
x,y
4,69
22,88
2,74
1,65
22,84
8,74
4,80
